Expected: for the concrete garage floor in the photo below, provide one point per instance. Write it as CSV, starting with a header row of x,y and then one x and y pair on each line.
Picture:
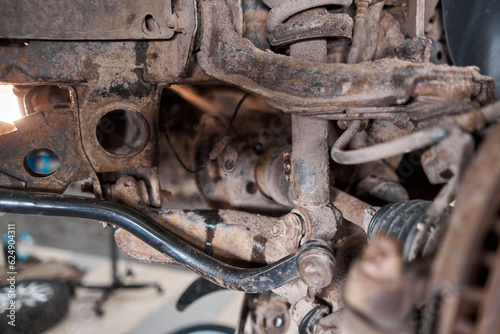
x,y
138,311
85,244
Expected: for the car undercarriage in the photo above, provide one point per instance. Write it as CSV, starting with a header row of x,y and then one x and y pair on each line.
x,y
349,174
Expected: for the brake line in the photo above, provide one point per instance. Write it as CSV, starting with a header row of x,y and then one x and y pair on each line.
x,y
396,147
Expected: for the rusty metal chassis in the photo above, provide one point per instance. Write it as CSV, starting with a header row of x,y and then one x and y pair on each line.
x,y
130,75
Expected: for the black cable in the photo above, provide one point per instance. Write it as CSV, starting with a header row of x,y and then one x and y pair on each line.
x,y
228,132
192,171
243,98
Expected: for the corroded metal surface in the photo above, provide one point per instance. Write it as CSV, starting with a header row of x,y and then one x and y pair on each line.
x,y
109,129
317,268
270,314
232,236
311,182
108,76
74,62
240,238
338,26
97,20
462,279
136,249
351,207
466,250
270,173
362,33
295,85
95,106
284,9
254,18
56,130
82,61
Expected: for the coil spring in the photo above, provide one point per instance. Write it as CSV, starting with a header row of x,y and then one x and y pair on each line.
x,y
337,26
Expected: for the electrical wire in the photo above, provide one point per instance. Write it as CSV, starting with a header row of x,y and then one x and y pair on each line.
x,y
209,159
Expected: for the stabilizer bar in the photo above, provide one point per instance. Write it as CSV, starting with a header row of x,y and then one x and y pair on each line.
x,y
253,280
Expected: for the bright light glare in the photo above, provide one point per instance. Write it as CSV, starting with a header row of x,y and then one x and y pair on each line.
x,y
9,107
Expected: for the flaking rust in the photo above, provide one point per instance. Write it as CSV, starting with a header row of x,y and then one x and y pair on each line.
x,y
268,184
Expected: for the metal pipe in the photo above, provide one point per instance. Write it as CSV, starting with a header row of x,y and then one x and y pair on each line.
x,y
254,18
352,208
310,171
248,280
358,40
348,134
396,147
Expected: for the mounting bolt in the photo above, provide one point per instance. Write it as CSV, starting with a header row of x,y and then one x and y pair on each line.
x,y
288,226
228,160
278,228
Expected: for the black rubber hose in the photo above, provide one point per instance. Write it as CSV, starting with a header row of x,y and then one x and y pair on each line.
x,y
248,280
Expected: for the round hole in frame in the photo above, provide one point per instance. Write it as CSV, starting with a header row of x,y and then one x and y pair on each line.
x,y
150,23
122,132
251,188
41,162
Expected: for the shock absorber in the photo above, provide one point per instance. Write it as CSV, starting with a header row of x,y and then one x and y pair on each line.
x,y
305,26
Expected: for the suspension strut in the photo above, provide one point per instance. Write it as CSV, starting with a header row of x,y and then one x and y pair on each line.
x,y
307,25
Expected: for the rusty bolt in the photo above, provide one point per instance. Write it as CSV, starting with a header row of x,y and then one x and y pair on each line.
x,y
271,316
278,228
289,226
229,157
316,267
